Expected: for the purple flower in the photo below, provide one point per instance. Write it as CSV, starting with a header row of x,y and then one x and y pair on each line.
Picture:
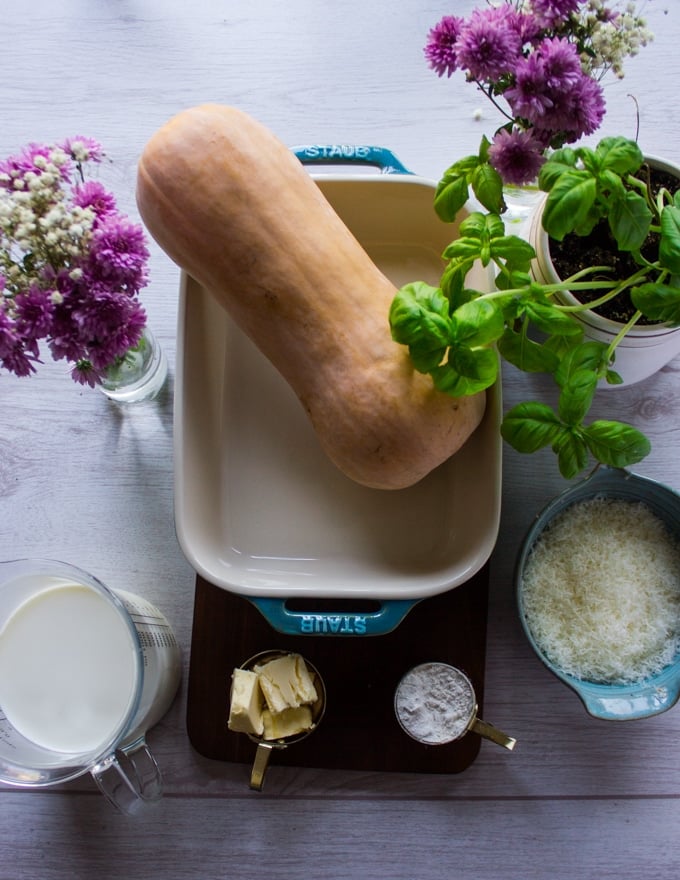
x,y
440,50
561,63
112,324
551,13
7,335
96,325
21,164
488,46
81,299
16,354
586,108
575,113
542,78
92,194
525,24
516,155
528,98
118,255
18,361
84,373
34,311
65,342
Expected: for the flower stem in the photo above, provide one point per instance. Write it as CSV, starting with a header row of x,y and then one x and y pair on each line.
x,y
491,98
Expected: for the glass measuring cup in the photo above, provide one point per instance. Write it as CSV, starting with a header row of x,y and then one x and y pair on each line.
x,y
435,704
84,673
265,747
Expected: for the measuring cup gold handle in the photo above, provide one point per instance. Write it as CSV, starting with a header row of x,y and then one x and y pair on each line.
x,y
260,764
488,731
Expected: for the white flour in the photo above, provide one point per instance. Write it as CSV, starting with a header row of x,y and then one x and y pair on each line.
x,y
434,703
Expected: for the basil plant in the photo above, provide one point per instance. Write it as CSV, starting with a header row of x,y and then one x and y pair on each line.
x,y
458,335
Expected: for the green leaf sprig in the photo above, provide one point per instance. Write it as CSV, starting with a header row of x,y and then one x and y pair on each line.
x,y
458,335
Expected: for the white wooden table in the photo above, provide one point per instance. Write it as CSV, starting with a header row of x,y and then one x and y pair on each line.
x,y
87,482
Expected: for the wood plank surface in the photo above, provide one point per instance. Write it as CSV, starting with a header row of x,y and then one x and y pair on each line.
x,y
91,483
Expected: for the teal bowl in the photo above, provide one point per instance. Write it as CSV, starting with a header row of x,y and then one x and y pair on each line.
x,y
611,702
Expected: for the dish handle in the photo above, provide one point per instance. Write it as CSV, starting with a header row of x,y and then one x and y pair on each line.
x,y
350,154
329,623
631,702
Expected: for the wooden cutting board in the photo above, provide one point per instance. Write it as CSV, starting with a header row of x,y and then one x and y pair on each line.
x,y
359,730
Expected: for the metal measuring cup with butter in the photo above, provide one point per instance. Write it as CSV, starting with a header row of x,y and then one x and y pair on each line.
x,y
277,698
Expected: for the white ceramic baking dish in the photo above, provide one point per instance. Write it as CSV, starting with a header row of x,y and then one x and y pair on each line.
x,y
262,512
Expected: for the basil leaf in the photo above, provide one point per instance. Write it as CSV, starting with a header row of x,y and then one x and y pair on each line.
x,y
530,426
568,203
474,225
476,323
418,308
466,371
586,225
511,277
525,354
494,226
629,221
576,397
419,318
514,249
452,284
487,185
562,345
658,302
572,453
669,248
616,443
619,154
591,356
590,160
450,196
467,248
612,182
484,149
551,319
560,161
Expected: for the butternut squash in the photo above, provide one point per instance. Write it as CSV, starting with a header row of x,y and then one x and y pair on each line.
x,y
232,206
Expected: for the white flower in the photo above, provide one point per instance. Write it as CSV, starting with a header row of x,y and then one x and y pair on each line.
x,y
59,157
53,218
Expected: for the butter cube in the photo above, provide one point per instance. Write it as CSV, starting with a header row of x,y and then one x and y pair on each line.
x,y
278,725
245,710
286,683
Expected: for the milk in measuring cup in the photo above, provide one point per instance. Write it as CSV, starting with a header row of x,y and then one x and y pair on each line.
x,y
73,669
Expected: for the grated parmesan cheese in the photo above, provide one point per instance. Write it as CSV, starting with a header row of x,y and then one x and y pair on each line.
x,y
601,592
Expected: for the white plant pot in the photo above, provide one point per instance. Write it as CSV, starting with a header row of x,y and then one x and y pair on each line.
x,y
644,349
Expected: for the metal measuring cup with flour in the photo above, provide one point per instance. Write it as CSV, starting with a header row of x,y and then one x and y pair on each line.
x,y
435,704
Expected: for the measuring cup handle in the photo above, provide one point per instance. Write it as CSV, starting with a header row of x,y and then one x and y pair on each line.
x,y
488,731
128,793
260,764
